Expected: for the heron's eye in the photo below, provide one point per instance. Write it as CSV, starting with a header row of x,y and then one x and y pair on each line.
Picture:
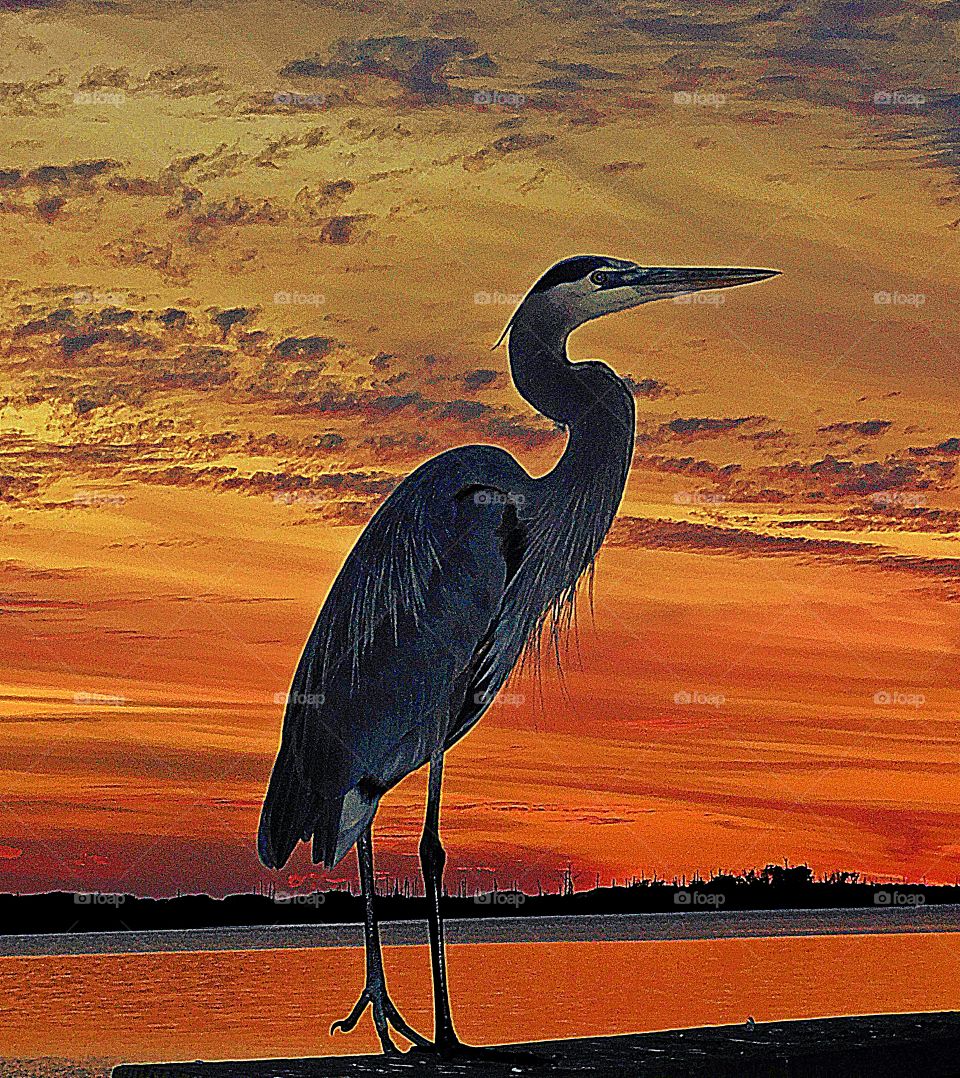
x,y
600,277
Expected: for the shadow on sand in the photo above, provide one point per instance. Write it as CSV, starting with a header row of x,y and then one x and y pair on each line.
x,y
878,1046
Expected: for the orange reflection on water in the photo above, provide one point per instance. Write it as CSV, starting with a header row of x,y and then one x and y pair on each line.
x,y
275,1003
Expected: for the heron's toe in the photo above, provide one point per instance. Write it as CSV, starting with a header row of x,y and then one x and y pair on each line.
x,y
385,1015
345,1025
399,1023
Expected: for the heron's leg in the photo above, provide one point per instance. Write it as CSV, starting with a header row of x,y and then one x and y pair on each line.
x,y
374,993
432,859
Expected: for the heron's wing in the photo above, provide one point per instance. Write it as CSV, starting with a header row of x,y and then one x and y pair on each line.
x,y
372,696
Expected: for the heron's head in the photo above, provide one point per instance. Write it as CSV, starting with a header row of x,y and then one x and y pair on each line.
x,y
584,287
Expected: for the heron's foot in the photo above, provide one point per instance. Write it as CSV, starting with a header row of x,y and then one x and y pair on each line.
x,y
385,1015
449,1046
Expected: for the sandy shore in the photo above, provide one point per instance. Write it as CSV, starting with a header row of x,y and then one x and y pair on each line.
x,y
875,1046
879,1046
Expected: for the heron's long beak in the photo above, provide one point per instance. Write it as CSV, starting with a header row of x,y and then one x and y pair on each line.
x,y
679,280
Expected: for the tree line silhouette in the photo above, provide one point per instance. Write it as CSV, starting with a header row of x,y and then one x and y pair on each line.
x,y
773,887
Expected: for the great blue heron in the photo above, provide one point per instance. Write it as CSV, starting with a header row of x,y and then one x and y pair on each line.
x,y
468,564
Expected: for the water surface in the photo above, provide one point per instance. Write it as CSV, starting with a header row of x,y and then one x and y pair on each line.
x,y
262,1003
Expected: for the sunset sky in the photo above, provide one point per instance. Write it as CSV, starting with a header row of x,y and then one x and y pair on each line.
x,y
253,257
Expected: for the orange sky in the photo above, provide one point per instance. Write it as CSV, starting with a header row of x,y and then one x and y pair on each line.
x,y
178,486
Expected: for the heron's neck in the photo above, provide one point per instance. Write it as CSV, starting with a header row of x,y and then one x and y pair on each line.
x,y
542,372
588,399
579,498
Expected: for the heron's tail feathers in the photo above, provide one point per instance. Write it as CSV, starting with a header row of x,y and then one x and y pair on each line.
x,y
353,817
289,813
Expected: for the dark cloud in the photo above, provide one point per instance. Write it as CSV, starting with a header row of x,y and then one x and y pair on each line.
x,y
52,322
75,176
832,478
234,316
338,230
183,80
848,477
684,29
701,469
868,428
698,427
400,444
712,539
330,440
709,538
479,379
950,446
760,436
420,66
486,156
113,356
305,347
203,215
564,85
463,409
137,250
196,367
578,70
879,514
828,479
315,203
80,342
619,167
32,97
48,209
521,141
105,77
225,320
650,388
121,356
173,318
375,406
370,483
